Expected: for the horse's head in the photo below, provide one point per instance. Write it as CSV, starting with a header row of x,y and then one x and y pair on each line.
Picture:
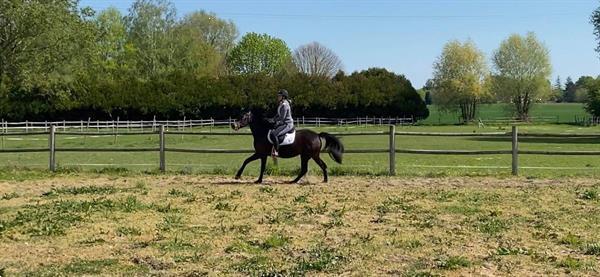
x,y
246,119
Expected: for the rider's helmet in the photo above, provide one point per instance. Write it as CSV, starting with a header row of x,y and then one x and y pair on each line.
x,y
284,93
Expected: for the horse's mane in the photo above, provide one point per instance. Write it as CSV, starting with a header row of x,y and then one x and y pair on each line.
x,y
259,117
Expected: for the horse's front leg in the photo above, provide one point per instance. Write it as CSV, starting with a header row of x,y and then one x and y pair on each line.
x,y
254,157
263,163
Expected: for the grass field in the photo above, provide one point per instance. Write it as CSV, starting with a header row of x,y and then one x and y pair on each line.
x,y
196,226
563,112
361,164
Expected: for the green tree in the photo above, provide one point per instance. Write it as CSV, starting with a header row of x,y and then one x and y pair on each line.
x,y
570,89
149,27
586,86
428,88
557,91
522,68
112,37
458,78
202,42
44,47
259,53
595,20
217,32
592,103
38,38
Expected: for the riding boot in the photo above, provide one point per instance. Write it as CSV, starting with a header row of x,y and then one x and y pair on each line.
x,y
275,144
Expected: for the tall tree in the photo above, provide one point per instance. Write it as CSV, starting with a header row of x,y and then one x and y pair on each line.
x,y
428,88
557,90
592,100
315,59
522,68
570,89
38,38
259,53
111,39
149,27
203,41
595,20
217,32
458,78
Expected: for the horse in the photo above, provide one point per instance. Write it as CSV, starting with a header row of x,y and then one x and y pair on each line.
x,y
307,144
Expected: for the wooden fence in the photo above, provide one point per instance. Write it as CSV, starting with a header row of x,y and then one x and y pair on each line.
x,y
180,125
391,150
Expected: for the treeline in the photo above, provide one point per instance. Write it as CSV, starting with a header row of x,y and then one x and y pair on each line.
x,y
573,92
62,61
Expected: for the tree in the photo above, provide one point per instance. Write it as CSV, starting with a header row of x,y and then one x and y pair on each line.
x,y
315,59
111,39
592,104
217,32
38,38
557,90
193,54
581,95
458,78
259,53
585,84
522,67
595,20
149,28
428,88
570,89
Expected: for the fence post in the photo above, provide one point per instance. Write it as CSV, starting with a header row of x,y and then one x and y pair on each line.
x,y
161,139
392,150
3,132
51,148
515,151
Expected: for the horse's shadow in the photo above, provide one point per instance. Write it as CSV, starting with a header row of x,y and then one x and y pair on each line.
x,y
250,182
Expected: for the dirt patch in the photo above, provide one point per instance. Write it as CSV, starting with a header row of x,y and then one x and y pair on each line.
x,y
198,225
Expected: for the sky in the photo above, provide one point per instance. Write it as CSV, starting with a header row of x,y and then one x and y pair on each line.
x,y
406,36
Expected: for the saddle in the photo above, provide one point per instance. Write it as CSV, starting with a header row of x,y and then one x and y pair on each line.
x,y
286,139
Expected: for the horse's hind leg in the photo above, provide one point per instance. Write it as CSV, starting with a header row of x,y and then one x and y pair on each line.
x,y
323,166
254,157
303,168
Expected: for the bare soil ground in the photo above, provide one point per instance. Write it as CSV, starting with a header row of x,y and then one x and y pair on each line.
x,y
353,226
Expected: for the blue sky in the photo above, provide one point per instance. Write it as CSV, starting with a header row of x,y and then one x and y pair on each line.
x,y
406,36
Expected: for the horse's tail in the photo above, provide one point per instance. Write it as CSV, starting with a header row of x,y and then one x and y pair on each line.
x,y
334,146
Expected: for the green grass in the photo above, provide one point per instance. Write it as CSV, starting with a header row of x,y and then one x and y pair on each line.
x,y
32,165
559,112
359,226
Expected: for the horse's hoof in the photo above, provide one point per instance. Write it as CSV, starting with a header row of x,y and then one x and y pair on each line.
x,y
292,182
258,182
237,177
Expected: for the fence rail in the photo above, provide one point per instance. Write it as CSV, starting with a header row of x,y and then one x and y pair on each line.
x,y
391,149
180,124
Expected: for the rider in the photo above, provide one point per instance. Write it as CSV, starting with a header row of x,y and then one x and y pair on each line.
x,y
284,123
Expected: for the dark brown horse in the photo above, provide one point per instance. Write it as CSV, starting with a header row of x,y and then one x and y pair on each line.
x,y
307,145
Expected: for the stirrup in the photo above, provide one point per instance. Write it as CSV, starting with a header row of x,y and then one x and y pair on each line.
x,y
274,153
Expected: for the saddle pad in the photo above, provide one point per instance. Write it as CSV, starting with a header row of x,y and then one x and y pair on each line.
x,y
289,138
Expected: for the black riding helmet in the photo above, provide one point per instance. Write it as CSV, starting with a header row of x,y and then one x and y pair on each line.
x,y
283,93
